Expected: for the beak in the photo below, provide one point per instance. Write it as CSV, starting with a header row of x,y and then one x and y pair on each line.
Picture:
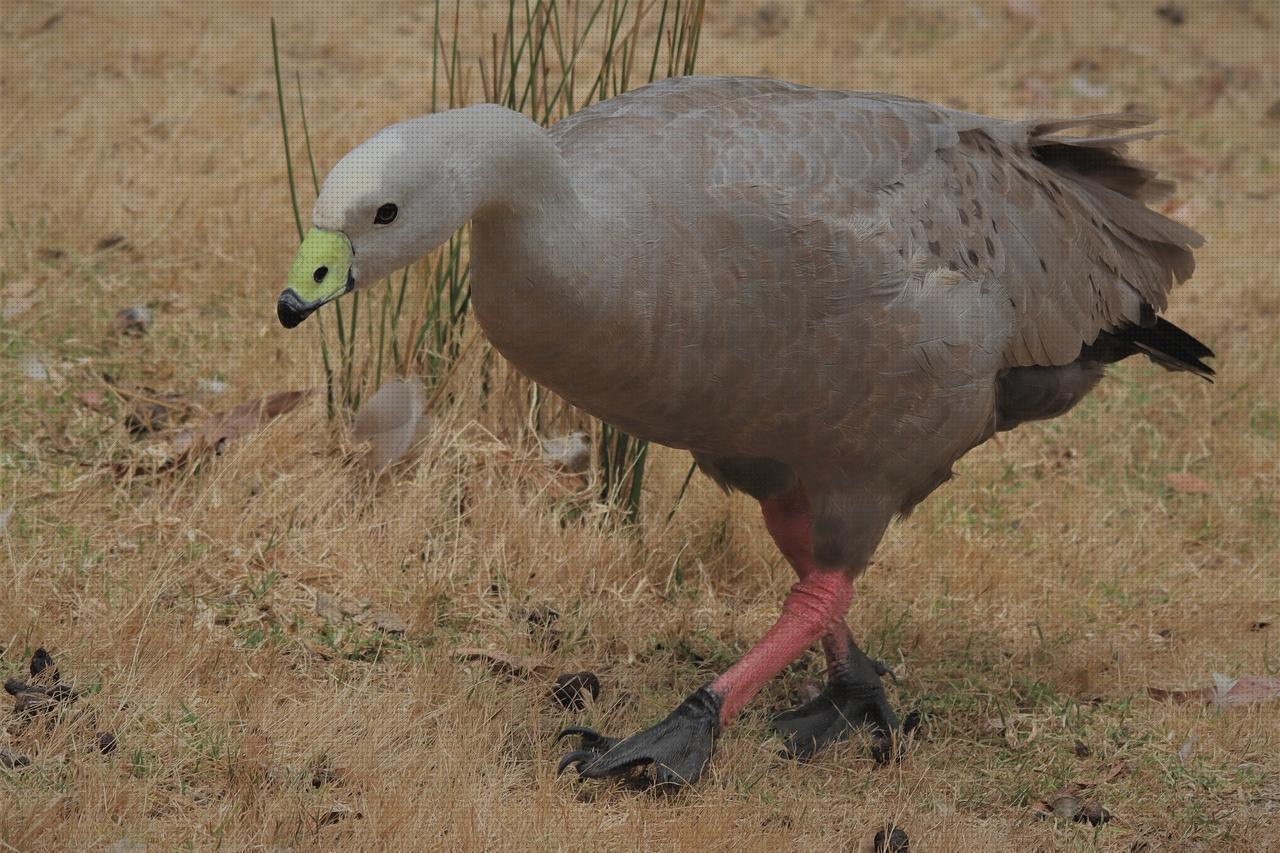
x,y
321,272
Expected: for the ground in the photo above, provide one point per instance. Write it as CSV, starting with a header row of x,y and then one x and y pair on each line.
x,y
271,636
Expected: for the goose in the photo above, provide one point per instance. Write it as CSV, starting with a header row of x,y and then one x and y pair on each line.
x,y
826,297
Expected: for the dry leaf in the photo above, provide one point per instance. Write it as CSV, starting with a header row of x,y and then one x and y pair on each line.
x,y
1225,692
1187,483
220,428
503,663
392,421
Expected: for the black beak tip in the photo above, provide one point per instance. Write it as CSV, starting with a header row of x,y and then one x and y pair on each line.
x,y
291,309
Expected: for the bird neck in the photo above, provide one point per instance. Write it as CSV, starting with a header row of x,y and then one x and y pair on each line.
x,y
511,168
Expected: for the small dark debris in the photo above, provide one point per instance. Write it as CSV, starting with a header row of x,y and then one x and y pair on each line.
x,y
891,839
1174,13
133,320
913,723
338,812
1259,625
109,242
106,743
1082,749
10,759
50,254
42,662
1165,633
1069,807
569,689
543,617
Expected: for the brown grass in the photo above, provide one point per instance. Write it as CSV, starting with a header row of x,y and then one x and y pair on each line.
x,y
1046,587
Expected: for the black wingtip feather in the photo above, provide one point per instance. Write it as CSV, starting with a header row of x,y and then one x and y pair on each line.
x,y
1169,346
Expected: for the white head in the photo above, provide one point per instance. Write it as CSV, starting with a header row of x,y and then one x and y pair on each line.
x,y
402,193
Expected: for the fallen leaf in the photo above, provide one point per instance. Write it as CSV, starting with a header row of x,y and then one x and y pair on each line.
x,y
1184,482
392,421
109,242
503,663
1247,690
223,427
1225,692
1180,697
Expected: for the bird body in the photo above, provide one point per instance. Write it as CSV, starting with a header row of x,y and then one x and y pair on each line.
x,y
828,298
841,283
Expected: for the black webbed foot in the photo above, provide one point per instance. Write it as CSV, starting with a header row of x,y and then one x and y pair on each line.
x,y
854,698
679,747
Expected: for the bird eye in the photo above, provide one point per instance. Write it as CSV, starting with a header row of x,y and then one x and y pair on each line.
x,y
386,214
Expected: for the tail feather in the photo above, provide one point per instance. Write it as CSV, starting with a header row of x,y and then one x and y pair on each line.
x,y
1164,343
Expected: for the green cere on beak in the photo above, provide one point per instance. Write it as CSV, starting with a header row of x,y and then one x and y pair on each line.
x,y
321,272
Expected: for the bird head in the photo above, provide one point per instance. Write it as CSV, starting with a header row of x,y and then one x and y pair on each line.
x,y
388,202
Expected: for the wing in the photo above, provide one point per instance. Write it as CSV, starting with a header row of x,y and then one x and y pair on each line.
x,y
884,190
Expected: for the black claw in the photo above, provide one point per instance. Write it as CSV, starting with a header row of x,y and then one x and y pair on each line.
x,y
592,740
578,757
679,747
854,698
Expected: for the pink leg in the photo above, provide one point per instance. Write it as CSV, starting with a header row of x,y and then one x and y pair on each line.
x,y
812,610
680,746
787,519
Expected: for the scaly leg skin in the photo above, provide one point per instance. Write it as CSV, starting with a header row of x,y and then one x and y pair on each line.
x,y
854,696
680,746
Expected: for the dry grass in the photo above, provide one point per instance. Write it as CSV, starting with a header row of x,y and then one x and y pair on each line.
x,y
1047,586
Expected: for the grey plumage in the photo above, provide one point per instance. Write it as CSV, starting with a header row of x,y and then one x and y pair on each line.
x,y
855,289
